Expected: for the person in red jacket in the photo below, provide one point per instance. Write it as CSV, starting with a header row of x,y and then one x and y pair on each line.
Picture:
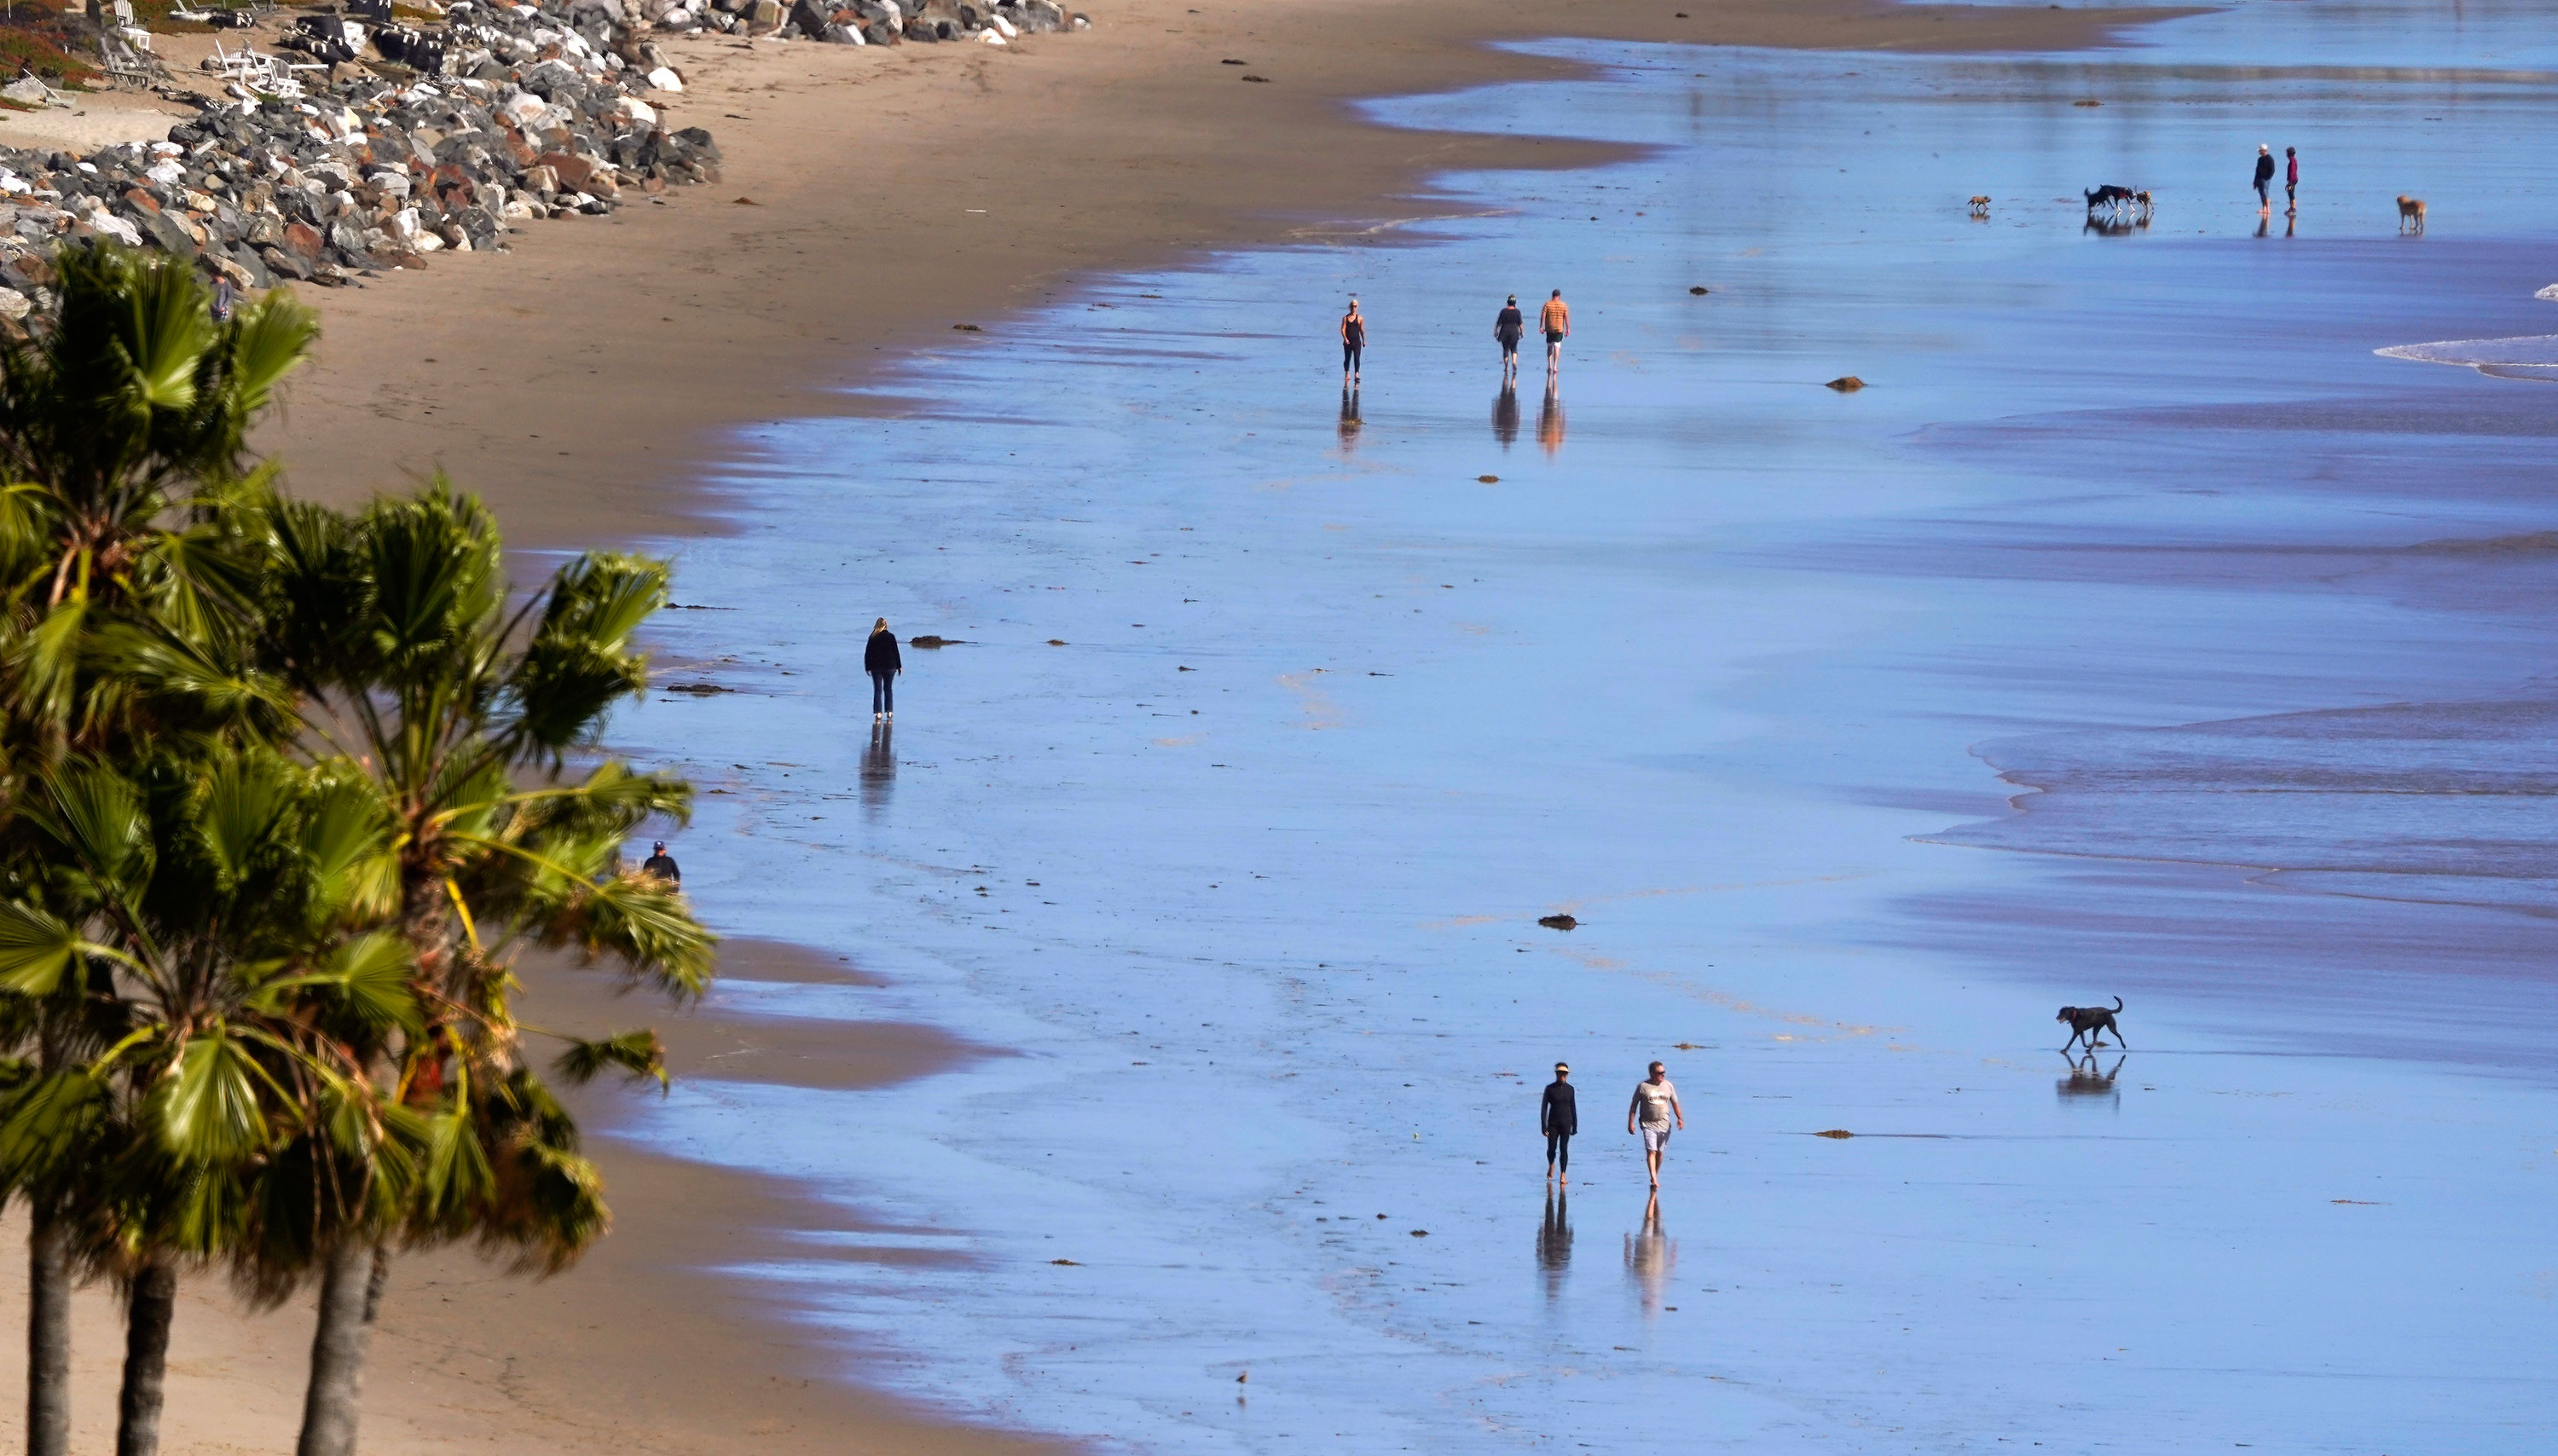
x,y
2291,180
879,660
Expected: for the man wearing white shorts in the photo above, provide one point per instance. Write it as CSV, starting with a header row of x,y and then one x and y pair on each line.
x,y
1654,1112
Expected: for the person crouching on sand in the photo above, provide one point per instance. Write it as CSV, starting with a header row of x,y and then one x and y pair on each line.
x,y
1654,1111
879,660
1558,1119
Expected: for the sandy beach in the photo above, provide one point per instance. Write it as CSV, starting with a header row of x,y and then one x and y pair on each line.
x,y
592,384
897,192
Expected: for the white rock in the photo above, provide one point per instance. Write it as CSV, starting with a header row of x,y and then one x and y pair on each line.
x,y
14,304
167,174
1007,27
990,37
663,79
635,112
404,225
117,229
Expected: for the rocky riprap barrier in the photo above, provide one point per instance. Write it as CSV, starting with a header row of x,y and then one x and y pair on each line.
x,y
501,116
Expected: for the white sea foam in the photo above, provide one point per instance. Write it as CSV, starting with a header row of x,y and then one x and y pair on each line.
x,y
2531,351
2527,357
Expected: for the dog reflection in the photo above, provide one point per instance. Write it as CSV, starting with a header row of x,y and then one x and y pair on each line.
x,y
2086,1081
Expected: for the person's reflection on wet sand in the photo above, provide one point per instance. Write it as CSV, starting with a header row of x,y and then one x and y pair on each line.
x,y
2263,224
1554,1240
1651,1256
2291,223
1505,416
1549,419
879,769
1350,418
2086,1081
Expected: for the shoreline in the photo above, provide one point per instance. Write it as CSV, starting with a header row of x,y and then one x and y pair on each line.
x,y
627,348
871,234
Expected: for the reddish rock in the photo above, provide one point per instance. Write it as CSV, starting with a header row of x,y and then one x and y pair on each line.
x,y
303,240
573,171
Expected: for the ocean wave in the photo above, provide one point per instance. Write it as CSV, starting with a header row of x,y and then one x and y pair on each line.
x,y
2526,356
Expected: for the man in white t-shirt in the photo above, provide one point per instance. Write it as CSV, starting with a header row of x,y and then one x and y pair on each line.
x,y
1654,1113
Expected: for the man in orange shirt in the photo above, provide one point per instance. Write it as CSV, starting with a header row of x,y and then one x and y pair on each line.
x,y
1556,319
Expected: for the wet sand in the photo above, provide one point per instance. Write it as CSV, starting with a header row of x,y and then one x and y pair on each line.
x,y
1278,727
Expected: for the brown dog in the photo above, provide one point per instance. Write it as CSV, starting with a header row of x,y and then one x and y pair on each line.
x,y
2091,1022
2411,209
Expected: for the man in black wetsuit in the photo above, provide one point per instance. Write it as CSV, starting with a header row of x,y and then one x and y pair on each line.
x,y
1558,1119
661,864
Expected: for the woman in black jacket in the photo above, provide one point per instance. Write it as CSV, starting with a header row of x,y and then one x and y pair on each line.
x,y
1558,1118
879,660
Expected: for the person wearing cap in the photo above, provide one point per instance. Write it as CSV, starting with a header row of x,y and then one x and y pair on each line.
x,y
661,865
1508,327
1353,340
2290,178
1558,1119
1657,1109
2264,177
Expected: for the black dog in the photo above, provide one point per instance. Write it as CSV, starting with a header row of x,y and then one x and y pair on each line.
x,y
2110,196
2091,1022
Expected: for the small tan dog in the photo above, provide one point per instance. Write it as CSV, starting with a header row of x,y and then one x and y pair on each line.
x,y
2411,209
1980,206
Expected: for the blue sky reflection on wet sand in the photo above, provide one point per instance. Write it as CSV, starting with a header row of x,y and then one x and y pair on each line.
x,y
1707,666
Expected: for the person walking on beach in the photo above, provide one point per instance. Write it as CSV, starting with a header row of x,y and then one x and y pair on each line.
x,y
879,660
1509,327
1558,1119
2291,180
2264,177
1353,339
661,865
1555,319
1654,1112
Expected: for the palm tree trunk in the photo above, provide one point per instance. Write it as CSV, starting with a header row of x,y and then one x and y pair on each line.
x,y
150,1303
49,1339
350,1291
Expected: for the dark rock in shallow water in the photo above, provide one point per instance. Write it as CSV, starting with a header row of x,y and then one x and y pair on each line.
x,y
1557,922
1845,384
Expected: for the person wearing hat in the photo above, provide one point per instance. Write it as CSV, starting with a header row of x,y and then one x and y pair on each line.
x,y
1558,1119
2291,180
661,865
1508,326
2264,177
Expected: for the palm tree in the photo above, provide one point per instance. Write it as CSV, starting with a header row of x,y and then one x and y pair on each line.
x,y
206,907
394,624
111,419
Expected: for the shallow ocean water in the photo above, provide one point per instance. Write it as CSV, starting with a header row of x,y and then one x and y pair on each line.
x,y
1244,870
